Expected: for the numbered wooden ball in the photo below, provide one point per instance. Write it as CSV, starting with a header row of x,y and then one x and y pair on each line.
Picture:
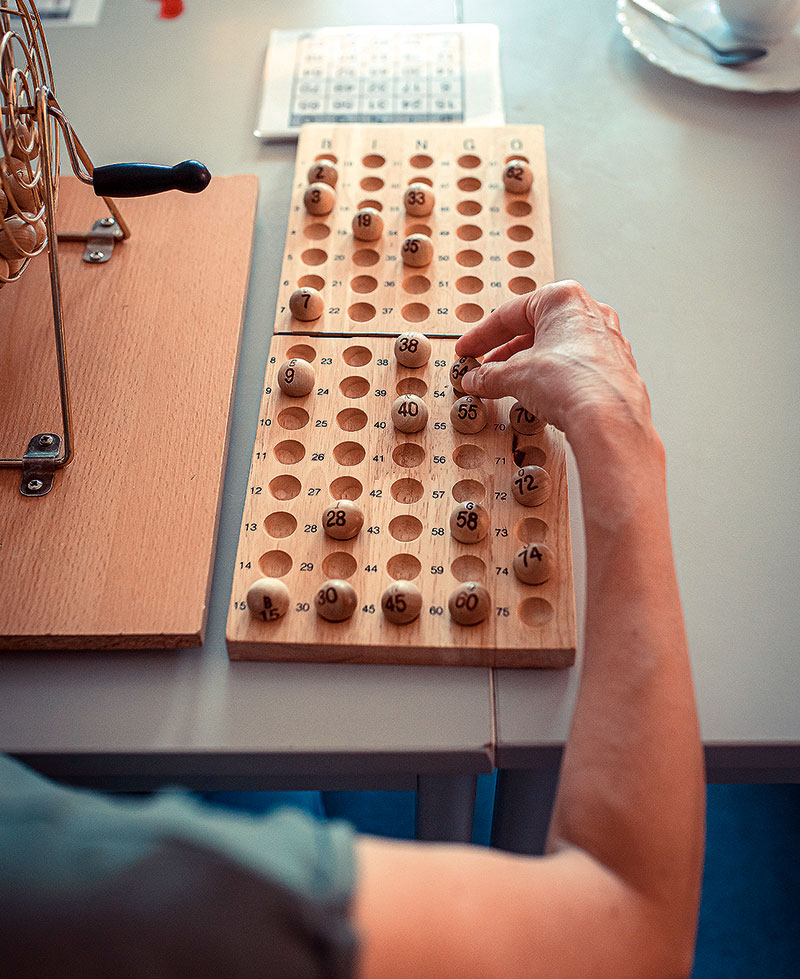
x,y
401,602
296,377
417,251
459,368
323,172
319,199
306,304
531,485
409,413
469,522
342,520
21,184
20,237
368,224
524,422
418,200
533,564
412,349
469,415
336,600
268,599
517,177
469,604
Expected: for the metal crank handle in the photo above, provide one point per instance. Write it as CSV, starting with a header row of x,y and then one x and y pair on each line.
x,y
141,179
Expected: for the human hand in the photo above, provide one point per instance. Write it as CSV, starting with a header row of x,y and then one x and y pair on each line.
x,y
561,355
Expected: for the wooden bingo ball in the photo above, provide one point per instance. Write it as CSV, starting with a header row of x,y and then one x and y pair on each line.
x,y
469,604
418,200
459,368
5,271
342,520
336,600
412,349
296,377
417,251
531,485
306,304
368,224
524,422
268,599
517,177
323,172
409,413
469,415
319,199
469,522
533,564
20,239
401,602
18,180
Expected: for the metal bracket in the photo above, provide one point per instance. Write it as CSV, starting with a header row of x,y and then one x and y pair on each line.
x,y
99,240
39,464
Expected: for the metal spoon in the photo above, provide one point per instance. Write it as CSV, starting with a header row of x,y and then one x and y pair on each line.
x,y
729,57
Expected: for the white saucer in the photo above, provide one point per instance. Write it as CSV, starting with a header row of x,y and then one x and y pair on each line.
x,y
678,53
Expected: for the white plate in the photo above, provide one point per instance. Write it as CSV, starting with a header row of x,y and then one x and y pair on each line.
x,y
678,53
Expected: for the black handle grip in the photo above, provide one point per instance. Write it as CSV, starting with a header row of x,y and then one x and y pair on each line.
x,y
141,179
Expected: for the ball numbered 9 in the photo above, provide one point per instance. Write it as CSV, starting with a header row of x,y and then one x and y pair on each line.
x,y
296,377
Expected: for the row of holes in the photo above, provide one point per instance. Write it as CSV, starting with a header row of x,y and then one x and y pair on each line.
x,y
467,258
421,161
417,284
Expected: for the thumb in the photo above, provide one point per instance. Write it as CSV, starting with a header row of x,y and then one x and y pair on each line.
x,y
496,379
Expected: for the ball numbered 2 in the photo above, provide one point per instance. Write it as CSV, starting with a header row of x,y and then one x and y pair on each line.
x,y
367,224
469,522
412,350
323,172
296,377
459,368
531,485
409,413
336,600
517,177
342,520
469,604
469,415
306,304
533,564
268,599
401,603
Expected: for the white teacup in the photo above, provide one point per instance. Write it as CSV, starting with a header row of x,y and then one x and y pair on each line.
x,y
760,20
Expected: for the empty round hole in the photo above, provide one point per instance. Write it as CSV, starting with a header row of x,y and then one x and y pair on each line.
x,y
469,184
518,209
361,312
314,256
311,282
275,564
521,284
408,455
302,350
371,183
520,232
415,312
416,284
419,229
469,456
284,487
339,564
373,160
529,455
469,258
407,490
327,156
370,203
403,567
349,453
346,488
363,283
280,524
289,452
469,232
531,529
469,162
405,527
535,611
469,208
293,418
517,156
354,387
468,567
469,284
357,356
316,232
421,161
365,257
469,312
520,260
351,419
412,385
469,489
420,180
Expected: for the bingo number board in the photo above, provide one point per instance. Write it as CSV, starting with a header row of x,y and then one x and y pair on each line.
x,y
388,520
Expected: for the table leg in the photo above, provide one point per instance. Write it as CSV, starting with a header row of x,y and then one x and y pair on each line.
x,y
523,803
445,807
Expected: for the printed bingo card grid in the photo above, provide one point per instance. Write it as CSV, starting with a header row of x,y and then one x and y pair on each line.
x,y
448,73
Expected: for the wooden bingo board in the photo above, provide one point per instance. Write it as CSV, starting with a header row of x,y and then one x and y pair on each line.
x,y
338,444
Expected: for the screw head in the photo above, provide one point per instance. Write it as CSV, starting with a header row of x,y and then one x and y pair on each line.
x,y
97,256
107,222
45,441
34,485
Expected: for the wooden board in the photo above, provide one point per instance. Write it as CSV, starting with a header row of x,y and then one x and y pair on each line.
x,y
338,442
119,553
